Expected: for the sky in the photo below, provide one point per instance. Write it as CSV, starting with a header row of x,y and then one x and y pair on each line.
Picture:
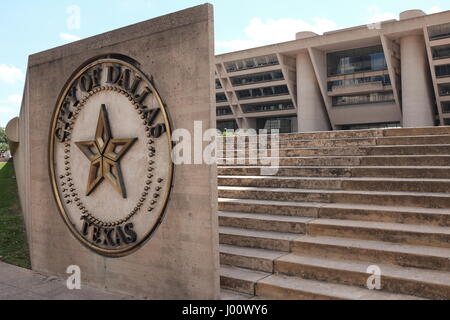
x,y
28,27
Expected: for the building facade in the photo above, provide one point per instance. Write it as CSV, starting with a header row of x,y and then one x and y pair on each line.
x,y
390,74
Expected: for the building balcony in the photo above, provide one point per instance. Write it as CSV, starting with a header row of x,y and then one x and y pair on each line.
x,y
441,61
442,51
260,85
446,107
225,117
364,99
382,112
439,32
443,79
222,104
264,92
254,100
245,72
359,88
251,63
257,78
444,98
273,106
279,113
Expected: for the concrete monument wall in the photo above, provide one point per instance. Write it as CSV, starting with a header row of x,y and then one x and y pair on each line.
x,y
181,260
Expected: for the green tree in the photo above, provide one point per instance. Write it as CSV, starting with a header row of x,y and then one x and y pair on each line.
x,y
3,140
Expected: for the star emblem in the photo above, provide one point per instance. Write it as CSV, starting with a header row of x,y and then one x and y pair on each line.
x,y
105,153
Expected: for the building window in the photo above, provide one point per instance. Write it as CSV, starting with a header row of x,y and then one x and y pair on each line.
x,y
224,126
223,111
443,71
356,60
252,63
282,124
268,106
376,97
218,84
221,97
444,89
370,126
439,32
384,79
447,122
446,107
441,52
262,92
257,78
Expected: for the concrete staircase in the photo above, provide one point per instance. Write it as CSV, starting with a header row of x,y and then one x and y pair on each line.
x,y
341,201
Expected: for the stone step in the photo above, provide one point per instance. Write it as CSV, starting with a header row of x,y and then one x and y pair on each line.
x,y
366,230
340,151
406,160
263,222
286,171
344,211
363,184
381,231
407,199
250,258
317,135
269,240
338,172
324,161
369,133
413,140
285,208
374,252
332,161
239,279
393,214
346,142
283,287
429,284
397,132
233,295
281,182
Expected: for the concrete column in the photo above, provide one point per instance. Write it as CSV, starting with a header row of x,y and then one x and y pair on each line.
x,y
248,123
416,90
312,115
13,134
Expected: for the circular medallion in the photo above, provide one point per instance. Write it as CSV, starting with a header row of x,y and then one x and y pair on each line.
x,y
110,156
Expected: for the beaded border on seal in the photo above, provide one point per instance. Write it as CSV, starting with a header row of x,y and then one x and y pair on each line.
x,y
68,189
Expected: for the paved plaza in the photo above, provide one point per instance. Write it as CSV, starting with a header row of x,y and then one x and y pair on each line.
x,y
21,284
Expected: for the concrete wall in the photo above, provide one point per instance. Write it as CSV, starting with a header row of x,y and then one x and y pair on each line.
x,y
17,133
181,260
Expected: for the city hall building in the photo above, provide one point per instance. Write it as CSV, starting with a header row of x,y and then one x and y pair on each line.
x,y
112,185
388,74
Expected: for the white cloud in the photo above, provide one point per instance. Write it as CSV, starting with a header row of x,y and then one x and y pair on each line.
x,y
235,45
6,109
377,15
15,99
11,104
434,9
261,32
383,16
10,74
69,37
